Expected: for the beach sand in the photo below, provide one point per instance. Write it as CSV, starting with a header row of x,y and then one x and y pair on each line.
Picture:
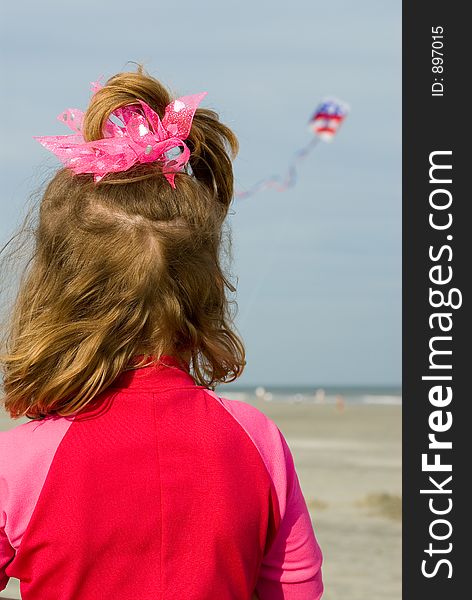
x,y
349,466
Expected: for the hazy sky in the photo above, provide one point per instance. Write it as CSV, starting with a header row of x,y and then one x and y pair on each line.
x,y
318,268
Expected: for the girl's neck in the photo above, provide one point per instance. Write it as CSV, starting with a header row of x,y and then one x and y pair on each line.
x,y
182,357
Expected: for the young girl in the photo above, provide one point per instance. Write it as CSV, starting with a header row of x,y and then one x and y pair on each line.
x,y
132,474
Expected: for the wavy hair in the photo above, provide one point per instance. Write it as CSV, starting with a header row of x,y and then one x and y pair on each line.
x,y
124,267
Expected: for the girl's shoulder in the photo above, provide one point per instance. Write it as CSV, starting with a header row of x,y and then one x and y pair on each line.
x,y
269,441
260,428
31,442
26,454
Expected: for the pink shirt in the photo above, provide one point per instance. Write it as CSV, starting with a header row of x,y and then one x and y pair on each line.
x,y
160,490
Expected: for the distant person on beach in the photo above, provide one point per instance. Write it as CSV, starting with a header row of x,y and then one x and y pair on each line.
x,y
340,403
132,478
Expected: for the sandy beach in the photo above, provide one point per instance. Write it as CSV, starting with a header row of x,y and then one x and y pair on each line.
x,y
349,466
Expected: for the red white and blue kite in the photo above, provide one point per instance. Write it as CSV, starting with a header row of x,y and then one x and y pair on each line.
x,y
324,123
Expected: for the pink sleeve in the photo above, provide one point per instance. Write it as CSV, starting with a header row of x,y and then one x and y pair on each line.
x,y
291,568
25,450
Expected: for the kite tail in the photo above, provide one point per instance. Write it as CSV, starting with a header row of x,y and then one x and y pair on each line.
x,y
281,184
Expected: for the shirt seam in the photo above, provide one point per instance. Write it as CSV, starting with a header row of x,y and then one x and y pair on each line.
x,y
244,429
28,525
161,581
264,462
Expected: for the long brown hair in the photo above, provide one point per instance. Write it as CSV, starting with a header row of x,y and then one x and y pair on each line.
x,y
125,266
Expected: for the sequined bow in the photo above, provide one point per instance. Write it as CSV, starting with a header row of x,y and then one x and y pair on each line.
x,y
132,134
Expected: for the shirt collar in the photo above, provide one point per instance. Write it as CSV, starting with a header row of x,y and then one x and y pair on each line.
x,y
167,371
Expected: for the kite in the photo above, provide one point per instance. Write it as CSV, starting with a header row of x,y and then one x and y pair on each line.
x,y
324,123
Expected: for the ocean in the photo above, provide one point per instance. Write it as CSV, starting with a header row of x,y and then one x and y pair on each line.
x,y
313,395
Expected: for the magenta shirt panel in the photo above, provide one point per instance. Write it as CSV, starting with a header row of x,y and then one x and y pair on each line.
x,y
160,489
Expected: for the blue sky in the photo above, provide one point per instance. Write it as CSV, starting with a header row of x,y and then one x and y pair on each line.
x,y
318,268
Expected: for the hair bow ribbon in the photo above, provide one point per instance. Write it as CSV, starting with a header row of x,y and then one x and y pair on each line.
x,y
132,134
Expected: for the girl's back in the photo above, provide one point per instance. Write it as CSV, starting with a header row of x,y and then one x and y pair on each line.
x,y
133,478
161,490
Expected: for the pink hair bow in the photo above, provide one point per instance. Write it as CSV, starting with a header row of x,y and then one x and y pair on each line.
x,y
136,134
